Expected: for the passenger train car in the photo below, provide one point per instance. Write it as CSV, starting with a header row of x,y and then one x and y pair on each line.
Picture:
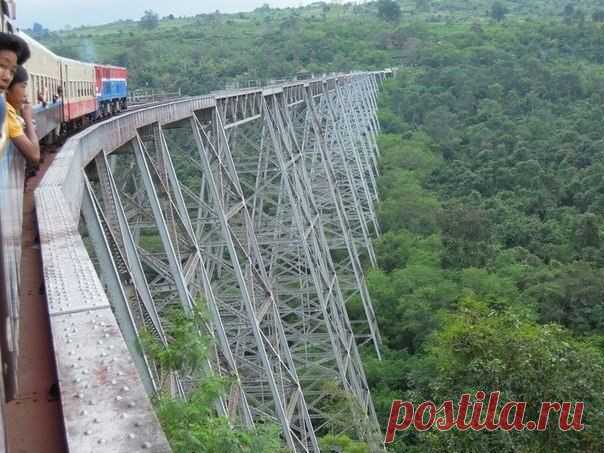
x,y
68,94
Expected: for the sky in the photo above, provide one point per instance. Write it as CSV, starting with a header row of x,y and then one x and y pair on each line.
x,y
56,14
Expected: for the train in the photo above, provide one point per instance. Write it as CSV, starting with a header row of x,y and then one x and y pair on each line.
x,y
67,94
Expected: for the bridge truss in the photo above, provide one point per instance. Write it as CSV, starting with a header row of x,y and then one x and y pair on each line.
x,y
257,204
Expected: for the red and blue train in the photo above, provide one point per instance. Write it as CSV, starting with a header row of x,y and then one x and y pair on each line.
x,y
68,94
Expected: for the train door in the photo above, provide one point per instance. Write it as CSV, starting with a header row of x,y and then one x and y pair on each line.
x,y
66,93
61,93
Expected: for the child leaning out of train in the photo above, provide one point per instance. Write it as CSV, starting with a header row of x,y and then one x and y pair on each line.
x,y
21,128
14,51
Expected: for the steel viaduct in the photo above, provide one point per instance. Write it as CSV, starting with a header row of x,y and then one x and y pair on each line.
x,y
259,204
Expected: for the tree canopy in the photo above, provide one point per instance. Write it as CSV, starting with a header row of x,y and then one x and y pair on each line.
x,y
389,10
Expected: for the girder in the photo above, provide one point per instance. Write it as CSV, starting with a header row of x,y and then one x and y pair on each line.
x,y
258,205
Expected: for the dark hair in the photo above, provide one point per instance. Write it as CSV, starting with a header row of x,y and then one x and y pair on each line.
x,y
21,75
15,44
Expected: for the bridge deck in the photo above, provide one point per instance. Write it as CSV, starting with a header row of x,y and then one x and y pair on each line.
x,y
33,408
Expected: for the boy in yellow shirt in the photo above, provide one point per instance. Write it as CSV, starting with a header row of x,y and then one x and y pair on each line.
x,y
21,129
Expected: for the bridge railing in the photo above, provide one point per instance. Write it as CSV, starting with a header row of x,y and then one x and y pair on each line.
x,y
12,178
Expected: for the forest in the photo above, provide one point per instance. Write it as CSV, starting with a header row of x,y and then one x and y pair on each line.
x,y
491,259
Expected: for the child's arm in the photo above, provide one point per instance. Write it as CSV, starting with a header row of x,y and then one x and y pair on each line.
x,y
28,143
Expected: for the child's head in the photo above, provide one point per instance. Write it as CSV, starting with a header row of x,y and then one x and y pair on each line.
x,y
13,51
17,90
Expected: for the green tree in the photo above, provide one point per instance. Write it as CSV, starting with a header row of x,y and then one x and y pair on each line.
x,y
569,10
587,231
481,349
191,424
342,444
389,10
498,11
598,16
150,20
422,5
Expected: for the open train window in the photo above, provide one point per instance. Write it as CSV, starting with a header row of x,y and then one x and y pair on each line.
x,y
5,9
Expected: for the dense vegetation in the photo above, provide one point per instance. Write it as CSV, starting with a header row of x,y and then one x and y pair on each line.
x,y
200,54
191,425
493,198
492,184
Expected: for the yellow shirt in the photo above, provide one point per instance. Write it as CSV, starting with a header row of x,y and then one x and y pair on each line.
x,y
14,121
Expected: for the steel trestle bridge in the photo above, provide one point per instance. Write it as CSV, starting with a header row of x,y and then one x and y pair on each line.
x,y
259,203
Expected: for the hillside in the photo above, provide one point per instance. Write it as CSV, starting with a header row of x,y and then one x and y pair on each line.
x,y
199,54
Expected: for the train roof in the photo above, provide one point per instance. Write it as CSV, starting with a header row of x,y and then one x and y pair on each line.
x,y
110,66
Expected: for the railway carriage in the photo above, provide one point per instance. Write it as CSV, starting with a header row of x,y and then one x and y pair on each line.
x,y
44,81
67,93
79,99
